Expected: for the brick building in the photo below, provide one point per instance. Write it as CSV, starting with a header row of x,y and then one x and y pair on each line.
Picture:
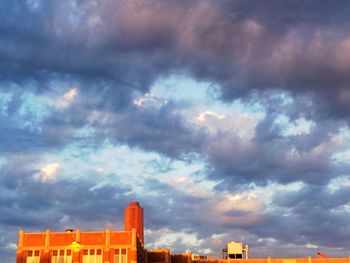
x,y
124,246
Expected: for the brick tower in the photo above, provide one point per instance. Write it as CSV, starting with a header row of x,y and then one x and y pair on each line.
x,y
134,218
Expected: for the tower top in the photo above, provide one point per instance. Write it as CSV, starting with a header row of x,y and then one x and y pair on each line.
x,y
134,203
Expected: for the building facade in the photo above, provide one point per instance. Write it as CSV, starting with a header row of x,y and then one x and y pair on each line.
x,y
125,246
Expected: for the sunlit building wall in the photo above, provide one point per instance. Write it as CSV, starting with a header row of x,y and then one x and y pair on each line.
x,y
123,246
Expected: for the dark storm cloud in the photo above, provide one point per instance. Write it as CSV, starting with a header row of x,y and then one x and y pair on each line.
x,y
273,156
301,46
25,131
270,156
72,39
10,133
154,129
46,203
160,127
179,209
313,215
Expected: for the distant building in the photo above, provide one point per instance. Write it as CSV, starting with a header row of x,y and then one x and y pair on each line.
x,y
235,250
159,255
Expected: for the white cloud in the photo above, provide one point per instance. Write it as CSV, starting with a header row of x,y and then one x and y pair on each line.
x,y
313,246
49,172
339,183
99,169
207,115
149,100
11,245
242,125
300,126
267,240
67,98
238,208
180,181
335,143
65,219
165,237
2,162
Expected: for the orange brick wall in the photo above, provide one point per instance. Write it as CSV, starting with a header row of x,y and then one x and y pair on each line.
x,y
107,241
61,239
34,240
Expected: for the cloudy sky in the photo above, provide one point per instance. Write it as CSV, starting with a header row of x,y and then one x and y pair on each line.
x,y
226,120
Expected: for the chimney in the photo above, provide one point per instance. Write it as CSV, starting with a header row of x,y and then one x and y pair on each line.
x,y
134,218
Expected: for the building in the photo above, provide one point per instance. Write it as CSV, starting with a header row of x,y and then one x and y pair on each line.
x,y
127,246
235,250
123,246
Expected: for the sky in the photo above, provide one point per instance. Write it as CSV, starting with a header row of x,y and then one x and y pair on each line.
x,y
226,120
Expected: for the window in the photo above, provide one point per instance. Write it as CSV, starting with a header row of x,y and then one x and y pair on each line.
x,y
92,256
120,255
33,256
61,256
